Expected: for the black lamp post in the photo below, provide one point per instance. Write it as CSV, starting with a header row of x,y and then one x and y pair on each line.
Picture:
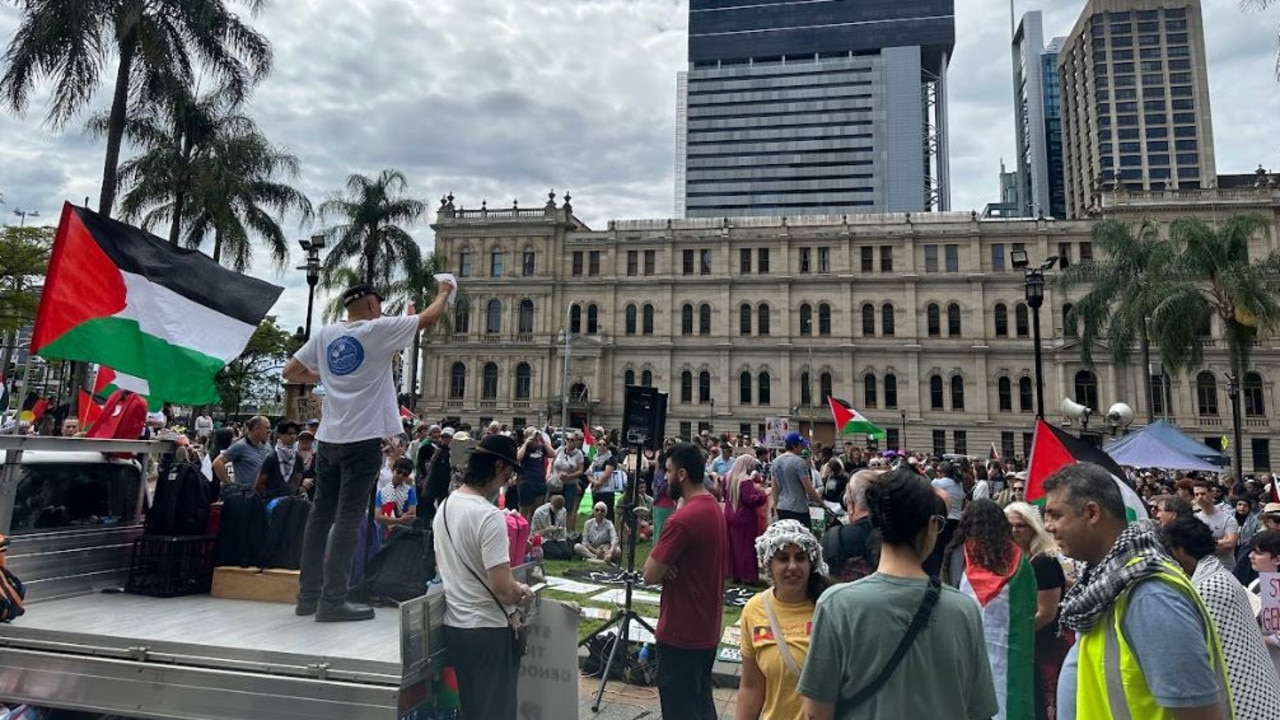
x,y
1034,280
312,248
1233,393
902,441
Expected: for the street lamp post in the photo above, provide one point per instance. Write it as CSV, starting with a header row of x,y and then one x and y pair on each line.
x,y
564,381
1034,279
24,214
902,441
1233,393
312,248
806,328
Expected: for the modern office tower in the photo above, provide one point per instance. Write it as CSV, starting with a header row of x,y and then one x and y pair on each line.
x,y
1135,100
794,107
1038,119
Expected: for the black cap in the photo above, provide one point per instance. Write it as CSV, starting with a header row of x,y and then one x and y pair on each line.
x,y
499,446
356,292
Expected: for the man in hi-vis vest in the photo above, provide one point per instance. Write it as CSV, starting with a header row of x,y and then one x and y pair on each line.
x,y
1145,647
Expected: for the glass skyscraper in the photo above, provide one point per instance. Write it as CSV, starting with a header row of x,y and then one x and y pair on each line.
x,y
1038,120
814,107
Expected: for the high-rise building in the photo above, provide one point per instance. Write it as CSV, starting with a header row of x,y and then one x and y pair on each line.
x,y
1135,100
794,107
1038,119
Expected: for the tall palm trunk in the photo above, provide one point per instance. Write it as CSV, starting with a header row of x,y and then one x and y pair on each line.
x,y
1146,375
115,124
369,257
1236,339
175,226
217,245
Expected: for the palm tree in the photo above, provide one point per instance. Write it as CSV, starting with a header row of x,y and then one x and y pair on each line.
x,y
1125,286
159,44
371,235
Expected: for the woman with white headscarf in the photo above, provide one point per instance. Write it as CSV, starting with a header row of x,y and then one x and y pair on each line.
x,y
741,498
776,623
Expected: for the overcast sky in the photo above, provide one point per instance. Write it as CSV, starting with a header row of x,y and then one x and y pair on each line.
x,y
505,99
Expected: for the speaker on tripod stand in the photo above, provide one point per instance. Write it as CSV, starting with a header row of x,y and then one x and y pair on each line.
x,y
643,420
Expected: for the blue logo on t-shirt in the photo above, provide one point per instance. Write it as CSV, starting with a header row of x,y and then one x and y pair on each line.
x,y
344,355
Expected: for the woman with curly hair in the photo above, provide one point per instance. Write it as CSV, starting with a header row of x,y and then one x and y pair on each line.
x,y
988,566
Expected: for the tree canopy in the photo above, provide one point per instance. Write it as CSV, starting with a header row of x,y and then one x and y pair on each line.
x,y
253,378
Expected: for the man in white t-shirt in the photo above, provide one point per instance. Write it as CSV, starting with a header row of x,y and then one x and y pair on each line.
x,y
352,359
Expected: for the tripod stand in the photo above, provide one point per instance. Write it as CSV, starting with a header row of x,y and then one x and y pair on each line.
x,y
623,618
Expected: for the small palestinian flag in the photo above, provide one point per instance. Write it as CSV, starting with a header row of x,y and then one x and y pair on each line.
x,y
1008,606
1053,448
588,445
850,421
127,299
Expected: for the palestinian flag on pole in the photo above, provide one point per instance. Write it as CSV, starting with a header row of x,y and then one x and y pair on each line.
x,y
1053,448
1008,606
850,421
588,445
127,299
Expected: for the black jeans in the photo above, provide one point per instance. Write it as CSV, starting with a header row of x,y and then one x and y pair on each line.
x,y
345,477
684,683
802,518
488,672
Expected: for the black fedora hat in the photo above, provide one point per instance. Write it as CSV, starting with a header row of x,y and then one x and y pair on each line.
x,y
499,446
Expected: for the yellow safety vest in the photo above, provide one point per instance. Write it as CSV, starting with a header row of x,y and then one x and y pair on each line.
x,y
1110,684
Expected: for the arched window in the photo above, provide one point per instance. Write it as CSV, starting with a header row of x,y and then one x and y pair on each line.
x,y
462,318
628,378
886,320
1002,320
686,387
704,387
824,319
936,395
524,381
575,319
1020,324
953,320
1024,394
1254,405
457,381
1087,389
1004,389
524,323
493,318
646,325
629,320
763,396
1207,394
704,319
824,386
869,390
890,391
806,319
806,389
593,319
868,320
744,319
957,392
933,318
686,319
762,319
489,384
744,388
1068,322
646,378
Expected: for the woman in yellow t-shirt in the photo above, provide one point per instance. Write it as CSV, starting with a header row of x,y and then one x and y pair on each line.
x,y
777,622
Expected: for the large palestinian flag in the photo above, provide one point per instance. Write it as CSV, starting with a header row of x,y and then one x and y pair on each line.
x,y
1008,606
849,421
1054,448
122,297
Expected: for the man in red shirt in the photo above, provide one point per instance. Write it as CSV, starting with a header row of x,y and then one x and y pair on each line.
x,y
689,563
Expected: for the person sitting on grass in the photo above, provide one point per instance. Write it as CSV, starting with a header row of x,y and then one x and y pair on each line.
x,y
599,538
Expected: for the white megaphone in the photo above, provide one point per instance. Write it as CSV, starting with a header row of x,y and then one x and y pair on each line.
x,y
1076,411
1120,415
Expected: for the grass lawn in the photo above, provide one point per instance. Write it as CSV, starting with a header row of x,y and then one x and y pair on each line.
x,y
585,625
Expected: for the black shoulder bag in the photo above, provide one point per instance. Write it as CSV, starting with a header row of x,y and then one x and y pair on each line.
x,y
918,623
515,619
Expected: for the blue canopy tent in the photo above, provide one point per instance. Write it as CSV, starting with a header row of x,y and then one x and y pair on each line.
x,y
1163,445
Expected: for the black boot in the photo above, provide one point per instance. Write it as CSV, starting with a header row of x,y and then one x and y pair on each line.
x,y
343,613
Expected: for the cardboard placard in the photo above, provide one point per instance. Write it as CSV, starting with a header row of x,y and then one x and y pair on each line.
x,y
775,431
1269,588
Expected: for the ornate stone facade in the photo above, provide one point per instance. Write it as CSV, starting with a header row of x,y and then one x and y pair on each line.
x,y
918,320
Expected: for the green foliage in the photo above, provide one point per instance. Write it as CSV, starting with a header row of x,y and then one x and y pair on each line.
x,y
370,236
24,259
251,377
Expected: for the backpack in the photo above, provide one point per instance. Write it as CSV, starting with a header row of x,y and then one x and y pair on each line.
x,y
12,592
243,531
400,570
181,504
285,529
123,417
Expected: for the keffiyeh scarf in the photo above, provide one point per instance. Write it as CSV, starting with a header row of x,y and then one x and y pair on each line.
x,y
1087,602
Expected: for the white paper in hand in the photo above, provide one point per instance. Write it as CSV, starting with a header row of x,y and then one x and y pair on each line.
x,y
453,280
